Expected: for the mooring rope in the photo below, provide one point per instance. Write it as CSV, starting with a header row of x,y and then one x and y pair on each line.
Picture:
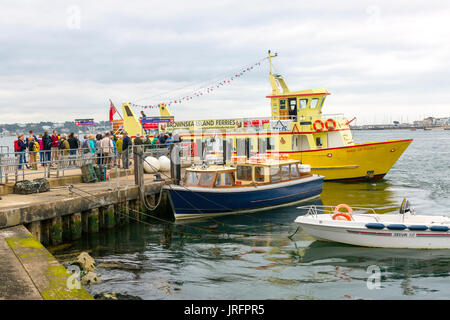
x,y
173,223
209,200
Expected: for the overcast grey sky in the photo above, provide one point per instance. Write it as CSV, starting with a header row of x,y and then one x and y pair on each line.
x,y
381,60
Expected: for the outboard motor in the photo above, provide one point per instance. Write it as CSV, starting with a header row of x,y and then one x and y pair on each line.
x,y
405,207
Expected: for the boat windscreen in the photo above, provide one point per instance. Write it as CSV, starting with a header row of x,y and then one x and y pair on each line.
x,y
224,179
275,174
206,179
294,171
285,172
244,173
259,174
192,177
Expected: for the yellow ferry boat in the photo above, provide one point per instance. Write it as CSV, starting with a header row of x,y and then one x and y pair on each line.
x,y
296,127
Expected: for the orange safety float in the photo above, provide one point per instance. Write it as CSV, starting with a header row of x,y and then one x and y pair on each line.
x,y
338,215
280,156
333,124
257,159
238,158
318,122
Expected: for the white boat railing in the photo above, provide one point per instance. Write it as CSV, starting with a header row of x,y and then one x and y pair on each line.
x,y
314,210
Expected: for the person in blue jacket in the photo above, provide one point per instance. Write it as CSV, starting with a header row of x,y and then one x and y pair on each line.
x,y
22,147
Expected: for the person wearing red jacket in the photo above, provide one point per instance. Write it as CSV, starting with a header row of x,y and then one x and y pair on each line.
x,y
55,140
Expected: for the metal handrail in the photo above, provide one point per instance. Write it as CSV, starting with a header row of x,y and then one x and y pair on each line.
x,y
13,165
314,209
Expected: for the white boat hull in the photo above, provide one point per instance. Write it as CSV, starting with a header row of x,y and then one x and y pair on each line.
x,y
323,228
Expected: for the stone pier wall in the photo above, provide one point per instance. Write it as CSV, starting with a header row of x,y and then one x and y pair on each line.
x,y
65,220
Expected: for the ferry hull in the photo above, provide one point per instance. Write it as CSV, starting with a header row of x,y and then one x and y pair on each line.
x,y
361,162
191,202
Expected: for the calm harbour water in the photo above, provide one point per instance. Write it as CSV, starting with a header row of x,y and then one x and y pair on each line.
x,y
254,258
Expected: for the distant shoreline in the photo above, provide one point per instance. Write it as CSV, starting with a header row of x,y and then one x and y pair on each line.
x,y
402,128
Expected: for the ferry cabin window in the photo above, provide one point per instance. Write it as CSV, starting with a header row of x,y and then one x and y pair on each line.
x,y
321,102
244,173
285,172
303,103
293,104
314,103
192,177
224,180
259,174
319,142
206,179
294,171
275,174
282,104
270,143
240,147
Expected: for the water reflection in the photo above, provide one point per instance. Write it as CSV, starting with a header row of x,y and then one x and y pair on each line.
x,y
250,256
402,265
367,194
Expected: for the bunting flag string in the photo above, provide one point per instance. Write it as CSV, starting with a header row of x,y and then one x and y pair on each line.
x,y
204,90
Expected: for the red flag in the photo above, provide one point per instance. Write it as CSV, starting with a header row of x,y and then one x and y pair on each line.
x,y
112,111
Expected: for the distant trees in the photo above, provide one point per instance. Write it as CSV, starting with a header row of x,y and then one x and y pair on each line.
x,y
67,126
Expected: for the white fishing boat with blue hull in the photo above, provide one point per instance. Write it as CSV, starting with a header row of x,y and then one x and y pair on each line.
x,y
257,184
369,229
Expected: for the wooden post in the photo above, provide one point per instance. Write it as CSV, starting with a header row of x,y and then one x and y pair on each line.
x,y
75,226
109,217
139,173
93,224
56,231
66,233
175,163
85,222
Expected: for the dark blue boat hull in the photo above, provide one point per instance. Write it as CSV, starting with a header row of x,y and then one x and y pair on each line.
x,y
192,202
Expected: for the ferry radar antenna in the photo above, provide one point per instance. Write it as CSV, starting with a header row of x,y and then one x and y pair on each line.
x,y
270,60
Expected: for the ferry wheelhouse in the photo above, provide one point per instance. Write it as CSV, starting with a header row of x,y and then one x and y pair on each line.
x,y
296,127
245,185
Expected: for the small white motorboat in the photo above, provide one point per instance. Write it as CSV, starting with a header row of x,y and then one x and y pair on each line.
x,y
364,227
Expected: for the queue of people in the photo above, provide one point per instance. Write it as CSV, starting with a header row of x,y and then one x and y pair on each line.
x,y
102,149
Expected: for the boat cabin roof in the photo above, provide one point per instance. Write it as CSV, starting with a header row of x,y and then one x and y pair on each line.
x,y
211,168
244,173
222,168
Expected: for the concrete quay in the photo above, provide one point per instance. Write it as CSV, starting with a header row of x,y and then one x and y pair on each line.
x,y
29,272
63,214
69,210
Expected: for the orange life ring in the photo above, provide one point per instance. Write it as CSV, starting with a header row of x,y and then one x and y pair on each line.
x,y
238,158
342,215
321,125
328,127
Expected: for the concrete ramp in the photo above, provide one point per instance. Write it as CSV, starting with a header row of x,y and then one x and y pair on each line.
x,y
29,272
